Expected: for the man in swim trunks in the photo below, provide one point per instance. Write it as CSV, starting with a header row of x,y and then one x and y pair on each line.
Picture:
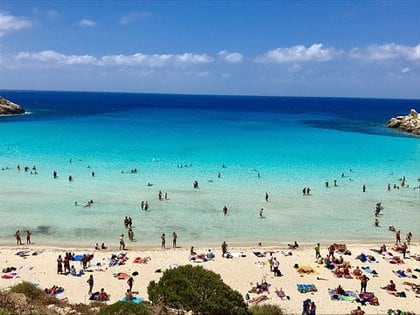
x,y
28,237
18,240
174,237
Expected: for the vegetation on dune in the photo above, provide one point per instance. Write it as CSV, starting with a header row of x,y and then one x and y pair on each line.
x,y
198,290
266,309
185,288
127,308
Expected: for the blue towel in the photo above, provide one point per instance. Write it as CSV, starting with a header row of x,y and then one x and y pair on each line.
x,y
136,300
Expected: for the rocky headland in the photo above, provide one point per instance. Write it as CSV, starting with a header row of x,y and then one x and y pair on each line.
x,y
409,123
9,108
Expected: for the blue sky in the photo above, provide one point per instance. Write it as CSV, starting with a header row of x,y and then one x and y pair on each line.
x,y
299,48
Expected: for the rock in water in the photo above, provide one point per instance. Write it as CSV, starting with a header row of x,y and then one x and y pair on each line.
x,y
9,108
409,123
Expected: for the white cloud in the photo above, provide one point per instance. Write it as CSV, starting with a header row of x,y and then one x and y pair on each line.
x,y
405,70
87,22
230,57
53,57
299,53
50,57
386,52
10,23
135,16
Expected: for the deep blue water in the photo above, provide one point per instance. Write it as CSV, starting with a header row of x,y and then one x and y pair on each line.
x,y
346,114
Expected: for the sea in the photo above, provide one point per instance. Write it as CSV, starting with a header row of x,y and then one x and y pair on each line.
x,y
238,148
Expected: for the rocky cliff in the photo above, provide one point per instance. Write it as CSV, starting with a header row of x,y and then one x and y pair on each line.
x,y
409,123
9,108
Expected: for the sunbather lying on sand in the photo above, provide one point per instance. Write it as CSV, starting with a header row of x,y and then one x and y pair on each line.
x,y
258,299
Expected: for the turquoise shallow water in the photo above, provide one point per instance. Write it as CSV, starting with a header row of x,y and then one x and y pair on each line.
x,y
289,149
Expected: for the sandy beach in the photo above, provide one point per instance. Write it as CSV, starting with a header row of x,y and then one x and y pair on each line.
x,y
38,265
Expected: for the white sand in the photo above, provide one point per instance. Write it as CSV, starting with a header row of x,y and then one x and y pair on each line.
x,y
238,273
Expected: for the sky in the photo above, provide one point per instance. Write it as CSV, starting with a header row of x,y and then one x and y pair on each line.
x,y
279,48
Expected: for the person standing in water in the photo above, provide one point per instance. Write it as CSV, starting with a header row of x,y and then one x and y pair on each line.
x,y
18,239
163,239
174,237
28,237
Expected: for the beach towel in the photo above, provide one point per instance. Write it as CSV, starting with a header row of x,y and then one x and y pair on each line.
x,y
136,300
22,254
346,296
305,288
236,254
306,270
140,260
362,257
77,257
10,275
94,296
370,271
121,276
198,258
402,274
59,291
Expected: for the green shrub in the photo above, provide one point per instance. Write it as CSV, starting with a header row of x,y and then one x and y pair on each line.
x,y
33,293
265,309
198,290
3,312
127,308
27,288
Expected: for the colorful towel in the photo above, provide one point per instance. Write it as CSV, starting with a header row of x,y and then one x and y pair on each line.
x,y
136,300
346,296
306,270
305,288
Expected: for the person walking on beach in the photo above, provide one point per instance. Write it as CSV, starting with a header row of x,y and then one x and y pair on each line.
x,y
130,282
398,238
317,251
90,283
266,196
363,283
163,239
122,243
261,213
28,237
174,237
364,188
224,248
18,240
